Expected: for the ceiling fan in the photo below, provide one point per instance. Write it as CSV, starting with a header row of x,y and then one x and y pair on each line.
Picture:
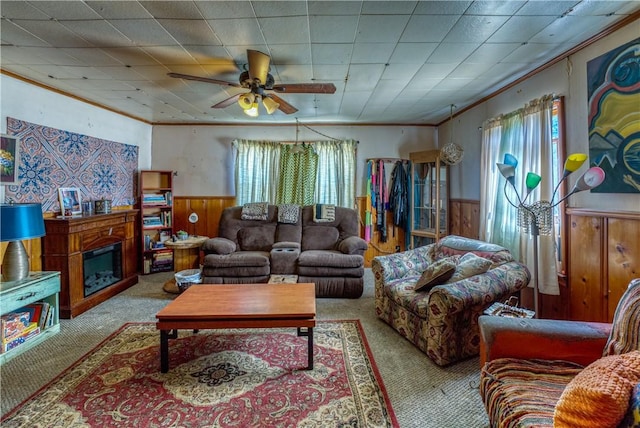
x,y
257,78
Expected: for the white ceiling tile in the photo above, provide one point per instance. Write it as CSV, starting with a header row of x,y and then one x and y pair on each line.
x,y
12,34
210,54
452,84
490,53
61,10
470,29
148,72
225,9
546,7
595,7
56,56
564,29
170,55
428,28
333,29
190,32
290,54
294,74
21,10
388,7
332,7
503,8
53,32
130,56
172,9
290,29
363,77
528,53
21,56
331,53
372,53
227,31
119,9
330,72
400,73
98,33
144,32
279,8
520,29
94,56
446,7
439,70
452,52
469,70
380,28
412,53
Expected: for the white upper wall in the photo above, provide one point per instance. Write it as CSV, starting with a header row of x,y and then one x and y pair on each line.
x,y
567,78
202,156
23,101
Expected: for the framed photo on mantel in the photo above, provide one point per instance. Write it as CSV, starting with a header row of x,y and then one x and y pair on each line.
x,y
70,202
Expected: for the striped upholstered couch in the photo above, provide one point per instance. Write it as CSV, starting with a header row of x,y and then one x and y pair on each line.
x,y
442,321
552,373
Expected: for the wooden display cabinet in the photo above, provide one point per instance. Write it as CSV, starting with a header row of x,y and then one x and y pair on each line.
x,y
429,197
156,220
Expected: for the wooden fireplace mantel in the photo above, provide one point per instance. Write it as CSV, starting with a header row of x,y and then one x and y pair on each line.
x,y
68,237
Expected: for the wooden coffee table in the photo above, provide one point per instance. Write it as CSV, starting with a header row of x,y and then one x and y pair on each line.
x,y
239,306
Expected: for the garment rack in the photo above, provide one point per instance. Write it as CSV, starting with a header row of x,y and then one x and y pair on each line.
x,y
389,160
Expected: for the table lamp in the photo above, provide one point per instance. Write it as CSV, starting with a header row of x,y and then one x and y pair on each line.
x,y
18,222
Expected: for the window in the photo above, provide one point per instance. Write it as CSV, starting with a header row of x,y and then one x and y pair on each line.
x,y
533,134
317,172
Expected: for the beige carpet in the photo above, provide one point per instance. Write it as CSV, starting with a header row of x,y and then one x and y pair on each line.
x,y
421,393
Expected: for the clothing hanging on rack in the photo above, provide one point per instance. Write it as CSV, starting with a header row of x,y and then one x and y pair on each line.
x,y
382,202
399,197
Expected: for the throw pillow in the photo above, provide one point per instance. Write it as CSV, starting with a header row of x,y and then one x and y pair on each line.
x,y
468,266
599,395
436,273
632,417
288,213
255,211
324,213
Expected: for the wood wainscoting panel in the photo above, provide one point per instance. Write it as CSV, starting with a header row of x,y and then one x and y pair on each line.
x,y
395,235
604,255
585,272
623,241
464,218
208,208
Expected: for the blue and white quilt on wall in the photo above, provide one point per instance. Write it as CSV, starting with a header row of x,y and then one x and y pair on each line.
x,y
52,158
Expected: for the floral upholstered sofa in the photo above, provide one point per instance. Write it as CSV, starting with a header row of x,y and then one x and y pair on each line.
x,y
442,320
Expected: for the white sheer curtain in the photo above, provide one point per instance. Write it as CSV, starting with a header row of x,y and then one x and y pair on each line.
x,y
336,175
256,170
526,134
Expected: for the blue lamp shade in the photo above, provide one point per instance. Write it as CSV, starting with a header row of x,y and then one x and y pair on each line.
x,y
21,221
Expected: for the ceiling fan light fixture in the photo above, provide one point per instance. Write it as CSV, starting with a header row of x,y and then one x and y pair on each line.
x,y
253,110
247,100
270,105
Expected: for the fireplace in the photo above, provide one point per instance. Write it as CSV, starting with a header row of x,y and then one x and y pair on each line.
x,y
102,267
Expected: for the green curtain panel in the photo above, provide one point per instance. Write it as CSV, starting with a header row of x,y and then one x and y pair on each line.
x,y
297,180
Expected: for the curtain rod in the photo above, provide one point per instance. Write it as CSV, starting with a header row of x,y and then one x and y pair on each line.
x,y
388,159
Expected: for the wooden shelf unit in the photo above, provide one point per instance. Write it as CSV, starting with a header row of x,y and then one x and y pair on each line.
x,y
37,287
156,220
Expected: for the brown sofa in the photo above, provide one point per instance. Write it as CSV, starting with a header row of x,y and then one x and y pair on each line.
x,y
329,254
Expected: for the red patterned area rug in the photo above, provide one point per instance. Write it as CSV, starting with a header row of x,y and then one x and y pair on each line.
x,y
217,378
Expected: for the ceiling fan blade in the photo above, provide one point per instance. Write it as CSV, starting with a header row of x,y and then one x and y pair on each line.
x,y
284,107
227,102
258,65
306,88
203,79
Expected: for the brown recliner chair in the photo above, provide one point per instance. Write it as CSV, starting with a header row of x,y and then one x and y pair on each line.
x,y
532,369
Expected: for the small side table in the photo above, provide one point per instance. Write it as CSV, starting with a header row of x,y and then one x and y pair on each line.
x,y
186,255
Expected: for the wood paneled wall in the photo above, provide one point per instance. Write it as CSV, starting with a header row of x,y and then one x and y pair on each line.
x,y
604,256
395,235
464,218
208,208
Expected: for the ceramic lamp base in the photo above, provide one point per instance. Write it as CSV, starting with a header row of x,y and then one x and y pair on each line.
x,y
15,264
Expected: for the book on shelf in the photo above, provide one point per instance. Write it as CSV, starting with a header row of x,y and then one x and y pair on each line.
x,y
13,324
28,333
154,199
